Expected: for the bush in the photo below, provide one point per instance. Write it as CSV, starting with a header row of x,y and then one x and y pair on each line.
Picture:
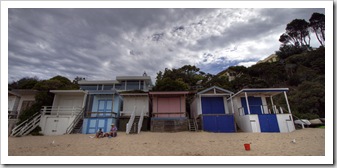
x,y
36,131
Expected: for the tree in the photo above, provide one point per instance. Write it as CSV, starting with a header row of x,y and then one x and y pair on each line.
x,y
297,32
287,50
24,83
77,78
184,78
317,24
308,98
44,97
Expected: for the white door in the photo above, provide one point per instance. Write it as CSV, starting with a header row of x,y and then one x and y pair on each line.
x,y
56,126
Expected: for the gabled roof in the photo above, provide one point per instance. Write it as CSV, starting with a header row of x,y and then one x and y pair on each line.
x,y
215,89
261,91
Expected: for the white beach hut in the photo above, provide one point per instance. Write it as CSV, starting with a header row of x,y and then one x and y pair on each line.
x,y
255,111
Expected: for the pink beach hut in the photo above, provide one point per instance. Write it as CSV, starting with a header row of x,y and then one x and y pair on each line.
x,y
168,111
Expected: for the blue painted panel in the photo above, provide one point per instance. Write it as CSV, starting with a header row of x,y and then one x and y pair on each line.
x,y
254,105
221,123
206,105
117,104
268,123
93,124
209,123
212,105
225,123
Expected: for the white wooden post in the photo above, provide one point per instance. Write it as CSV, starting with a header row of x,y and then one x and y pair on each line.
x,y
247,103
272,104
44,110
232,104
285,95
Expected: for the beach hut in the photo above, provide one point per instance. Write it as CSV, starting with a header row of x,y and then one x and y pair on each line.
x,y
137,103
64,114
18,101
255,111
101,110
168,111
211,107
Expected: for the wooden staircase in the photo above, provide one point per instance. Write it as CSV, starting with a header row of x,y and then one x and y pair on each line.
x,y
134,127
27,126
192,125
78,127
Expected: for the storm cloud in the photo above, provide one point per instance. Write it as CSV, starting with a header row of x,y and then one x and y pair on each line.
x,y
100,44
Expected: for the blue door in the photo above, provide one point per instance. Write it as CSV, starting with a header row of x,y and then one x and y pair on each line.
x,y
220,123
268,123
104,108
212,105
95,123
254,105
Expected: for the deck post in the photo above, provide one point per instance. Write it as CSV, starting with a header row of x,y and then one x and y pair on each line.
x,y
44,110
247,104
285,96
232,104
272,104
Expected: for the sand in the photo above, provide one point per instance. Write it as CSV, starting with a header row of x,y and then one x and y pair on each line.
x,y
308,142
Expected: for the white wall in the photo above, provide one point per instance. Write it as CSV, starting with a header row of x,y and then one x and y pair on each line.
x,y
58,124
68,101
11,102
285,122
141,102
247,123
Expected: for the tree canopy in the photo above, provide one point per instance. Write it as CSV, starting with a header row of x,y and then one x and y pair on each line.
x,y
317,24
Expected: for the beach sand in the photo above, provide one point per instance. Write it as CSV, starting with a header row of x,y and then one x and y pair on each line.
x,y
308,142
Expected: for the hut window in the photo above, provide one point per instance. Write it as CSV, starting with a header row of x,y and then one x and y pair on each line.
x,y
132,85
108,87
119,87
99,87
88,87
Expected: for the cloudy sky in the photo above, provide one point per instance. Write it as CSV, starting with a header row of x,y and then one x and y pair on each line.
x,y
100,44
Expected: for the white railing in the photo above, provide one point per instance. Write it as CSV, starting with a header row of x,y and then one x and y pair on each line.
x,y
130,123
27,126
60,110
74,123
140,123
270,109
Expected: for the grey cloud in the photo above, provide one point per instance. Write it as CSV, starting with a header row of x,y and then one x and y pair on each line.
x,y
103,43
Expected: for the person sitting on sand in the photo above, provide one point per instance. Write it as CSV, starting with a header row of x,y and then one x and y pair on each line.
x,y
99,133
113,130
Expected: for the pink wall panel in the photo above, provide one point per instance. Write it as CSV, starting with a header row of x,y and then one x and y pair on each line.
x,y
169,104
